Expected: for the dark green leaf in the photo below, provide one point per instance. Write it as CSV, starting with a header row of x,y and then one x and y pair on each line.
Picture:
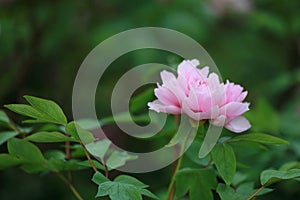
x,y
49,137
25,151
225,161
197,182
7,161
268,177
260,138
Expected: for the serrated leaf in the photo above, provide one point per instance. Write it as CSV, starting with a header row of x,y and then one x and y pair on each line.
x,y
225,161
260,138
25,151
197,182
4,136
98,148
49,137
98,178
7,161
123,187
118,159
268,177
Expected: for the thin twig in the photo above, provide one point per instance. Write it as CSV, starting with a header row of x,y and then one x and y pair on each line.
x,y
208,164
256,192
89,157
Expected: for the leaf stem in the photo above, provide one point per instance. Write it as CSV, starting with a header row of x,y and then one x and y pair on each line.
x,y
171,188
89,157
256,192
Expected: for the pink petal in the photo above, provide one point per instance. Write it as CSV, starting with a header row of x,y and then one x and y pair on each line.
x,y
159,107
238,124
234,109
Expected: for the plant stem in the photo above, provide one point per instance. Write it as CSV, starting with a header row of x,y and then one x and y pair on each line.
x,y
171,188
73,189
256,192
208,164
89,157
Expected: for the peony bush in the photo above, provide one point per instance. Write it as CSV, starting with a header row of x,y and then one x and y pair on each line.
x,y
193,92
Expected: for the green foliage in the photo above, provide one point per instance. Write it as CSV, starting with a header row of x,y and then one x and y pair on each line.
x,y
244,191
197,182
4,136
268,177
123,187
49,137
41,110
225,161
260,138
98,148
118,159
25,151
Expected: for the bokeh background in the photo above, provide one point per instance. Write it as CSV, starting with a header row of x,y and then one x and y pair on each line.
x,y
254,43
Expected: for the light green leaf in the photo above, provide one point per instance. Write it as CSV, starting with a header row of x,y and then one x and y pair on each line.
x,y
25,110
225,161
260,138
64,165
50,110
4,136
123,187
79,133
118,159
268,177
98,148
49,137
41,110
7,161
87,163
197,182
25,151
98,178
3,117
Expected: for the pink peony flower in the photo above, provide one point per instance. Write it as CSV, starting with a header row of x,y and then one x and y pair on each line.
x,y
200,95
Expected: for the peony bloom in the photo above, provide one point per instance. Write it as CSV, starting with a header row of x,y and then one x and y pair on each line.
x,y
200,95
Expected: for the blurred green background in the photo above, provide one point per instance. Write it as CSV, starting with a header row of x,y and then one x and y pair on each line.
x,y
253,43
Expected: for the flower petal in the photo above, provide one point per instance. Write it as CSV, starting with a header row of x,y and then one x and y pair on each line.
x,y
238,124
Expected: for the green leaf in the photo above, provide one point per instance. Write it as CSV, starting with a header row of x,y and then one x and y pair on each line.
x,y
7,161
197,182
4,118
41,110
25,151
123,187
87,163
64,165
98,178
244,191
268,177
49,137
98,148
118,159
225,161
79,133
260,138
4,136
